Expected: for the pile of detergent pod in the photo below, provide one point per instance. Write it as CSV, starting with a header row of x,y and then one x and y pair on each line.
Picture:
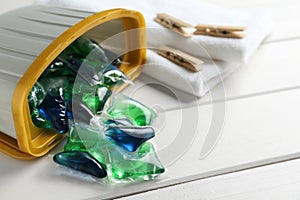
x,y
108,132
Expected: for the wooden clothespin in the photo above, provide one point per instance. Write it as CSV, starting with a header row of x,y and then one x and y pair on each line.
x,y
185,60
174,24
220,31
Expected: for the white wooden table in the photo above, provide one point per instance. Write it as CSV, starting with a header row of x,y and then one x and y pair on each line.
x,y
255,158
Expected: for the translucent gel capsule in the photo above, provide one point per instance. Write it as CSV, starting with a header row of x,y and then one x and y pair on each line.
x,y
125,107
54,109
107,57
81,161
55,83
88,48
79,133
35,98
81,139
116,122
60,75
82,69
91,72
113,76
59,67
104,93
130,138
44,117
92,101
36,95
81,87
87,139
141,165
40,121
88,101
96,100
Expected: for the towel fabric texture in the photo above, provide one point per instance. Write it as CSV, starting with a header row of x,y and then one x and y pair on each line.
x,y
221,55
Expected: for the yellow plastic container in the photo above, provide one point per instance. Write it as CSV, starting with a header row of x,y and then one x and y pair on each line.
x,y
31,38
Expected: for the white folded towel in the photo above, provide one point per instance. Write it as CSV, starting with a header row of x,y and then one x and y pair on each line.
x,y
180,78
233,52
257,22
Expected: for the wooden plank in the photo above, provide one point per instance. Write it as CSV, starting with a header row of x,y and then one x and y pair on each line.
x,y
280,181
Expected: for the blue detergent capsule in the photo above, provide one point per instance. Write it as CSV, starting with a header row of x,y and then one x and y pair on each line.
x,y
54,109
117,122
81,161
129,137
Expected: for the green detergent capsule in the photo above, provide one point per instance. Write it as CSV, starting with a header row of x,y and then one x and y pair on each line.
x,y
126,107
